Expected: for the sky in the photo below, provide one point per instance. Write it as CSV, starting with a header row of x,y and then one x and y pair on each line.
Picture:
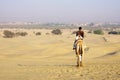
x,y
63,11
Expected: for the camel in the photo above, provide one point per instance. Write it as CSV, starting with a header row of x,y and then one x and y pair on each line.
x,y
79,52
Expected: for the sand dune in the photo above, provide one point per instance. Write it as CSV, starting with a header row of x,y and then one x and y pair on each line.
x,y
50,57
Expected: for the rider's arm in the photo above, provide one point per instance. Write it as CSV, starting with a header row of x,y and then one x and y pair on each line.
x,y
83,34
76,33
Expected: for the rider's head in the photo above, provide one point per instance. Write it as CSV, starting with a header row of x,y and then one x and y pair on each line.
x,y
80,28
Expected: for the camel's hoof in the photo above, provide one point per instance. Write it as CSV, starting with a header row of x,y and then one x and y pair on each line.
x,y
81,65
77,65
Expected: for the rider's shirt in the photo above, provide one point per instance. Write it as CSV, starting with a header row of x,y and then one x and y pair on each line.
x,y
80,34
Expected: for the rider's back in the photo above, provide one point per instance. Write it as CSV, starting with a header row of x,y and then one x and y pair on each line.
x,y
80,33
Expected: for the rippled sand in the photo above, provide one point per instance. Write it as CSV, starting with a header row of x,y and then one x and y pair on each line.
x,y
50,57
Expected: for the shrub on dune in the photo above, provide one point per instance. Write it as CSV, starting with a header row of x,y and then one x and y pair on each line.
x,y
113,32
8,34
100,32
38,33
56,32
21,33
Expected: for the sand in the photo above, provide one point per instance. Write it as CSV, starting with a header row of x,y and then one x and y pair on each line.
x,y
50,57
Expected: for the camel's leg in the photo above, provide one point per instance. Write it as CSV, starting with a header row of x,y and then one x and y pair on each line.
x,y
81,55
78,58
78,61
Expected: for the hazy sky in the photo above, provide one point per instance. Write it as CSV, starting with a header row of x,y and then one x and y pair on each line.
x,y
60,10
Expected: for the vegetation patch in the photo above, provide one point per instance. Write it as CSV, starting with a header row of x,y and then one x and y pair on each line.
x,y
100,32
38,33
56,32
114,32
8,34
21,33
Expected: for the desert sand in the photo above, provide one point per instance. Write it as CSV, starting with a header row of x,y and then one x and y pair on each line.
x,y
50,57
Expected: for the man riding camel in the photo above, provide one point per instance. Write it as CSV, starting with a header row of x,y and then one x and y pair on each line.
x,y
78,46
79,35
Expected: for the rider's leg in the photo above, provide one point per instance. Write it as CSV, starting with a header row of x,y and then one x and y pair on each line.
x,y
74,45
80,56
81,60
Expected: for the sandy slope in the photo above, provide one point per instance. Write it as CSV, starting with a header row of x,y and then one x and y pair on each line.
x,y
50,57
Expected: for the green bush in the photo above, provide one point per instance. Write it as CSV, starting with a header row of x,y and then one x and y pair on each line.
x,y
100,32
57,32
8,34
